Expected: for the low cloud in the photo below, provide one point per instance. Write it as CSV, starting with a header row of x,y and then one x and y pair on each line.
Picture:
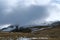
x,y
24,16
27,12
20,14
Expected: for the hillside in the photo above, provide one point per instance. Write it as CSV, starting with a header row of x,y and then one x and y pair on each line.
x,y
51,34
47,32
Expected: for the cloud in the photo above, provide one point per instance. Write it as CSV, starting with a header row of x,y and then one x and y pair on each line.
x,y
24,16
16,13
34,2
28,11
54,11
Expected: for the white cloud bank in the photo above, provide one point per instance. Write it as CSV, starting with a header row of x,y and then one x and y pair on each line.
x,y
54,11
29,11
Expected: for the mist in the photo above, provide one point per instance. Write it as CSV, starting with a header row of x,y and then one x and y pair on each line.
x,y
21,15
24,12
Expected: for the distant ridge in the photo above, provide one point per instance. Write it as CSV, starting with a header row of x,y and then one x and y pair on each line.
x,y
29,28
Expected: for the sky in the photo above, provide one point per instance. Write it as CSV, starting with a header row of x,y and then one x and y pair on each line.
x,y
28,12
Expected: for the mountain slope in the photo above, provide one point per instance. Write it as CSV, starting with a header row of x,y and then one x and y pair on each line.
x,y
17,28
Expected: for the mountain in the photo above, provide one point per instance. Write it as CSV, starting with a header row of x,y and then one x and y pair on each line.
x,y
29,28
15,28
54,24
9,28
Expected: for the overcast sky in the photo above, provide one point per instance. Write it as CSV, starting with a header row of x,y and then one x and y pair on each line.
x,y
29,11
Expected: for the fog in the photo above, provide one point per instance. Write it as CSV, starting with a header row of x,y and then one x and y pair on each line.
x,y
24,12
